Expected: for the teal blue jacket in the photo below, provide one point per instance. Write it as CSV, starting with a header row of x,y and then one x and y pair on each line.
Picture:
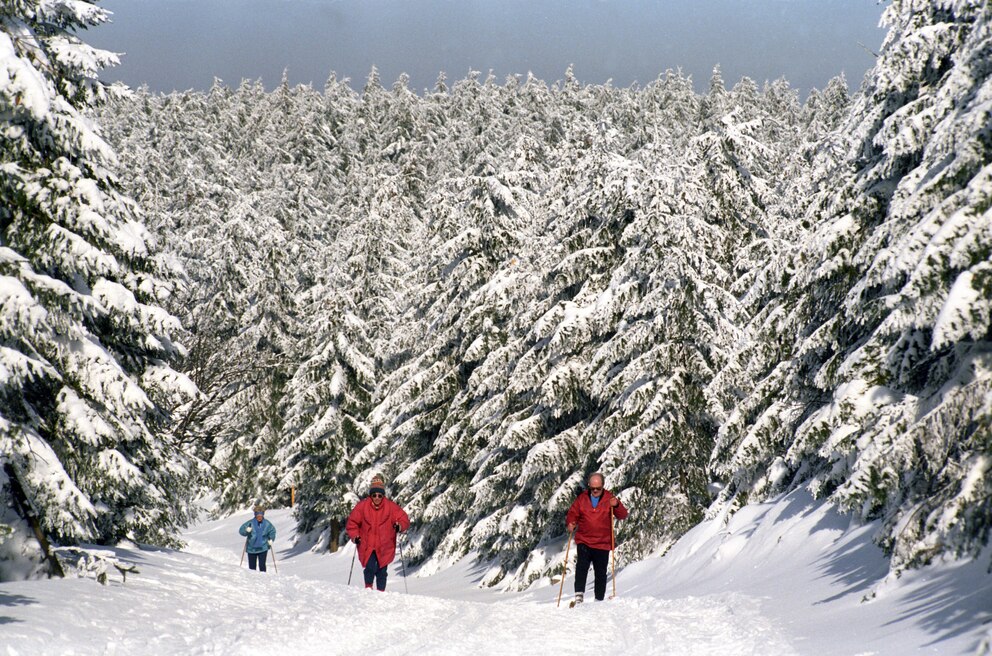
x,y
261,534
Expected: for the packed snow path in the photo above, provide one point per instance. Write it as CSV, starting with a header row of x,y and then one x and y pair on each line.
x,y
193,610
788,577
200,602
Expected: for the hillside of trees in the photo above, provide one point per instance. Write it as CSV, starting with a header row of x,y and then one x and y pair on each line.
x,y
487,290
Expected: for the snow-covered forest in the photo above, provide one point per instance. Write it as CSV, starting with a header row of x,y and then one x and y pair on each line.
x,y
487,290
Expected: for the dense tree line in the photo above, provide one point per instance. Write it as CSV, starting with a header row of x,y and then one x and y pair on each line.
x,y
482,292
872,384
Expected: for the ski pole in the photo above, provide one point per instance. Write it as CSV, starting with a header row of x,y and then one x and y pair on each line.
x,y
564,570
352,570
243,550
406,588
613,550
274,563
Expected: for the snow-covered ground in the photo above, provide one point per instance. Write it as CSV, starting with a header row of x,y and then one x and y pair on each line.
x,y
782,578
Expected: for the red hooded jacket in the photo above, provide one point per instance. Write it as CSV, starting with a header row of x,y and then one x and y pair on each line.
x,y
375,527
592,525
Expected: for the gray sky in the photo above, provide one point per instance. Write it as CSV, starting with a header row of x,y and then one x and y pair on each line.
x,y
182,44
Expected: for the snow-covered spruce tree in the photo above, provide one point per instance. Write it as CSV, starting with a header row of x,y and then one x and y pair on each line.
x,y
185,196
674,315
235,202
271,326
765,268
489,276
426,451
85,348
530,460
766,143
353,330
882,375
325,407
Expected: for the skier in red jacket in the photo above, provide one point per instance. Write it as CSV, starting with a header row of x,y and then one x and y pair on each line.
x,y
373,526
590,520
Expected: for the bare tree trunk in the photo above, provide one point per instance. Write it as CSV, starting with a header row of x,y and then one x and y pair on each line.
x,y
24,509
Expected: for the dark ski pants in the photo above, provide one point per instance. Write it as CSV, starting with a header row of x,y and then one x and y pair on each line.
x,y
600,561
373,571
259,558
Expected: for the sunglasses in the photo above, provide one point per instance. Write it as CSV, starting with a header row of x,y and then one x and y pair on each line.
x,y
595,489
377,495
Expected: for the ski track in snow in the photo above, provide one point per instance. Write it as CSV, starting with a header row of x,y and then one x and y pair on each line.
x,y
785,577
200,602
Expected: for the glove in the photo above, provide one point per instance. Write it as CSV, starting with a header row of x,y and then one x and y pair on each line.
x,y
614,502
248,530
357,541
270,543
396,525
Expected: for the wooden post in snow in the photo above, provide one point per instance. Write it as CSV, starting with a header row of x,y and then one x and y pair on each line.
x,y
335,532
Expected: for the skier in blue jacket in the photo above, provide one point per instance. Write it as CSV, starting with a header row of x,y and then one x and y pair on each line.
x,y
260,534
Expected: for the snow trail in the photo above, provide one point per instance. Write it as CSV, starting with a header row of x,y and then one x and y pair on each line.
x,y
200,602
791,576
